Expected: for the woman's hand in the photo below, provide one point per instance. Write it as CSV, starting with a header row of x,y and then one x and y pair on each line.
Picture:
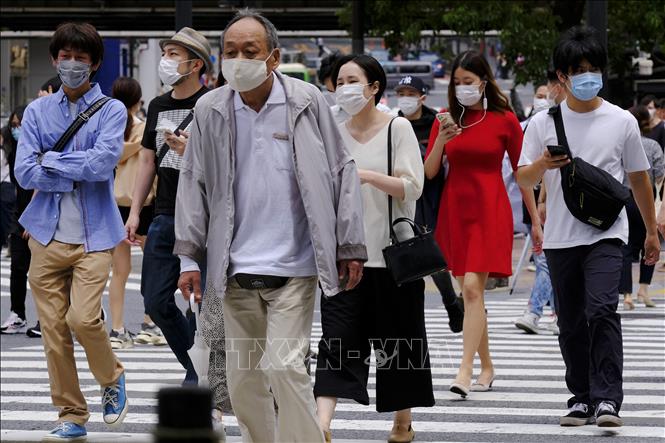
x,y
447,133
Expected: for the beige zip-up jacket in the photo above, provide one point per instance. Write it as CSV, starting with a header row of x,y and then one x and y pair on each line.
x,y
326,174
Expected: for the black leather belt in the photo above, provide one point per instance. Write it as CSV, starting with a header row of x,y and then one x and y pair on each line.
x,y
254,281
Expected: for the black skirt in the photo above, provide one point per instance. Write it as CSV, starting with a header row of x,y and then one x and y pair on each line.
x,y
376,313
145,217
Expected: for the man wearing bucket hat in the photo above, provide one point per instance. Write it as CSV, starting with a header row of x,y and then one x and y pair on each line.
x,y
185,57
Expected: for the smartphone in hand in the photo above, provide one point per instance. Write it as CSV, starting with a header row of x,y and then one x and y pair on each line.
x,y
556,150
445,119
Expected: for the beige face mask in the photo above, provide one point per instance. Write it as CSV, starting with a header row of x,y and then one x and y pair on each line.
x,y
245,74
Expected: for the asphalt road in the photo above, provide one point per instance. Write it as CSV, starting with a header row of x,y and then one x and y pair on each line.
x,y
529,392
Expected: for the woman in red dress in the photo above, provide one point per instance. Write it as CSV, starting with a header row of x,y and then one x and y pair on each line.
x,y
475,221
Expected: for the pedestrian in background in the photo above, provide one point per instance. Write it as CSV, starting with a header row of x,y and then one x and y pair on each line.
x,y
74,224
16,323
656,124
7,188
552,93
634,250
585,262
475,225
128,91
270,196
411,96
185,57
377,313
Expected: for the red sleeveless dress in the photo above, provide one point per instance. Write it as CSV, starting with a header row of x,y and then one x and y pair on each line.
x,y
475,221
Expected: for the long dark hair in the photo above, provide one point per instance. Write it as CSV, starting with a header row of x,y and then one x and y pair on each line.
x,y
474,62
8,143
128,91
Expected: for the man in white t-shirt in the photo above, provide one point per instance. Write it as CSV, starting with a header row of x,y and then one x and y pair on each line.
x,y
585,262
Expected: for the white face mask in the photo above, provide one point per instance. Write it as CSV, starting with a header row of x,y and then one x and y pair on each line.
x,y
245,74
468,95
408,105
540,104
351,98
168,71
652,113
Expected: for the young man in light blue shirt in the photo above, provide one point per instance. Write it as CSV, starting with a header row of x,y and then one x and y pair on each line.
x,y
74,224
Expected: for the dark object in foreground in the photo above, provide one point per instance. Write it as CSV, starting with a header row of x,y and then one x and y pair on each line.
x,y
184,416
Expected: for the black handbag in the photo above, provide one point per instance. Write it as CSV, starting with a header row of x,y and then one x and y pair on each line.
x,y
593,196
413,258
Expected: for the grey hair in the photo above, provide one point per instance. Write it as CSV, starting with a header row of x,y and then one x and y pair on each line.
x,y
271,32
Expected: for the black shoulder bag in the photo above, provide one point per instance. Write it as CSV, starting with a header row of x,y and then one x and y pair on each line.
x,y
593,196
165,148
81,120
416,257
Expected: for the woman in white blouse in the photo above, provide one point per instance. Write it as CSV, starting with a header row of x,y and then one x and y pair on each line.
x,y
377,312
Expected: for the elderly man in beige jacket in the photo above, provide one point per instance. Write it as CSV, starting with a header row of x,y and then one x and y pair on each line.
x,y
270,197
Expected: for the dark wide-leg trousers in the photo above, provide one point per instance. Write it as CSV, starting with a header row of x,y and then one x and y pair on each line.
x,y
377,313
586,286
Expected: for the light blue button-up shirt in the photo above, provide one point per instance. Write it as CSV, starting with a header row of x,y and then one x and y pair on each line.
x,y
88,159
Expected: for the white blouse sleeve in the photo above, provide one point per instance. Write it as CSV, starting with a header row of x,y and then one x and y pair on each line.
x,y
407,162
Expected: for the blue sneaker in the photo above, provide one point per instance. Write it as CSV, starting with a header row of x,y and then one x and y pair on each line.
x,y
67,431
114,403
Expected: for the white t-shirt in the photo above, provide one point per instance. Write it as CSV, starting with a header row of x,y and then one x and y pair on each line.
x,y
608,138
407,165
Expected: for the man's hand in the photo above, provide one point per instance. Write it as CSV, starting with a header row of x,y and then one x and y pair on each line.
x,y
177,142
651,249
553,162
660,220
25,235
350,271
130,228
189,282
537,238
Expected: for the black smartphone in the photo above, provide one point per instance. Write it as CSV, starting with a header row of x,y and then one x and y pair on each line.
x,y
556,150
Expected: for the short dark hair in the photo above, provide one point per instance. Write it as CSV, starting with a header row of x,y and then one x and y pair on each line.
x,y
272,40
327,66
474,61
370,66
641,114
648,99
80,36
660,103
577,44
552,77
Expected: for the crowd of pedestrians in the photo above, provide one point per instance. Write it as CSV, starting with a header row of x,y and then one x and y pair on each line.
x,y
258,196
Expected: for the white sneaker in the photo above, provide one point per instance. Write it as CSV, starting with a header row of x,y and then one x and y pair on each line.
x,y
13,317
553,326
121,341
217,425
528,323
14,324
150,334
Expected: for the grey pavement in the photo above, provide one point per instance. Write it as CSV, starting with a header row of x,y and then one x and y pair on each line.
x,y
529,392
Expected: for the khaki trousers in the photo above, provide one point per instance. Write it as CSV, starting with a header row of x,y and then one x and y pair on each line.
x,y
67,286
267,337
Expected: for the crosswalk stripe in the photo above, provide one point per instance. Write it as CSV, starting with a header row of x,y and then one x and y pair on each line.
x,y
529,393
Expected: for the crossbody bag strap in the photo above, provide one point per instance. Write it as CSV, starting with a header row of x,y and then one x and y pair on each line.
x,y
555,112
165,148
390,174
81,119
